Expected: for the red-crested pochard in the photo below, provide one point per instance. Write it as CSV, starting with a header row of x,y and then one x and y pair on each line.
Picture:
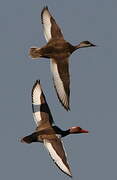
x,y
46,131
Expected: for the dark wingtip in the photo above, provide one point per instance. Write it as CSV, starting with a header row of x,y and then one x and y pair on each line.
x,y
45,7
68,174
67,108
36,82
71,176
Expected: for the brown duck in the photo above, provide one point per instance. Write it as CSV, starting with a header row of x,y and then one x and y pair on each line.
x,y
46,131
58,50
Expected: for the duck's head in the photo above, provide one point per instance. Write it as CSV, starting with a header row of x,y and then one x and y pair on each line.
x,y
77,130
86,44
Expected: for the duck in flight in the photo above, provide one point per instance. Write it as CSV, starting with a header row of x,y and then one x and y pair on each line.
x,y
58,50
46,131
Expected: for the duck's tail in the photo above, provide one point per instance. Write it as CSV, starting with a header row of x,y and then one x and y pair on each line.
x,y
34,52
29,139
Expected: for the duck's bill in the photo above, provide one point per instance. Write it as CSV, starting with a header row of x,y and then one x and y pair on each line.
x,y
84,131
93,45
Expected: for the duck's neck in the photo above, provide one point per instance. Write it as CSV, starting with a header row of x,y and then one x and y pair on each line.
x,y
65,133
61,132
77,46
80,46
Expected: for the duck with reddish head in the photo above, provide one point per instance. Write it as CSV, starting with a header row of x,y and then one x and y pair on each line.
x,y
46,131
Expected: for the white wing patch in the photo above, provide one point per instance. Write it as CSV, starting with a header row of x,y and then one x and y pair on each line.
x,y
56,158
58,83
37,117
36,102
46,25
36,95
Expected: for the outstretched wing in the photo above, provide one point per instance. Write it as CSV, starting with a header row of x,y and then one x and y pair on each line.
x,y
50,27
40,108
57,153
60,71
61,78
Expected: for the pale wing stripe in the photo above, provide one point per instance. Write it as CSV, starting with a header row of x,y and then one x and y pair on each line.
x,y
36,100
58,83
56,158
46,24
37,117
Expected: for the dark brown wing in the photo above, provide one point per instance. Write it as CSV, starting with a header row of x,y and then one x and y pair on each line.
x,y
61,78
57,153
50,27
41,111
